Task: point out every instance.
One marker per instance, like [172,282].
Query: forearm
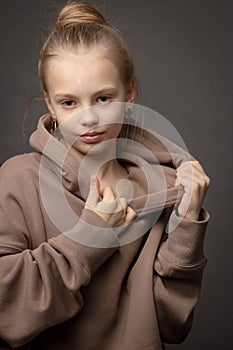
[41,287]
[179,268]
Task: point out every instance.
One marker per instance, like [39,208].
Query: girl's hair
[78,26]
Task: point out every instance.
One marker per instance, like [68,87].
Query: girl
[113,278]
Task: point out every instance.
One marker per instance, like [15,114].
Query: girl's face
[76,83]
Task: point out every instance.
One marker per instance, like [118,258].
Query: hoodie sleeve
[39,287]
[179,266]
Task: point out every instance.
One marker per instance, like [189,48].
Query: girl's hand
[192,177]
[114,211]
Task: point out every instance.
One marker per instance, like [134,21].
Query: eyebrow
[64,94]
[105,89]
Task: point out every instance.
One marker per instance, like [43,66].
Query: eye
[104,99]
[68,103]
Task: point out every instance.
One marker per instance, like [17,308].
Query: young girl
[86,262]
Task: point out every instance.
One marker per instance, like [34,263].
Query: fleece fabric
[62,287]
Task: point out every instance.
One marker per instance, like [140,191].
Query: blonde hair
[80,25]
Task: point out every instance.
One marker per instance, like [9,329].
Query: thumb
[93,196]
[108,195]
[130,215]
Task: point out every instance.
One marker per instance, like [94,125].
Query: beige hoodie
[58,292]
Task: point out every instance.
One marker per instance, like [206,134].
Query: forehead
[85,70]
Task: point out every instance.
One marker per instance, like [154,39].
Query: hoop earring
[128,113]
[127,116]
[135,124]
[53,125]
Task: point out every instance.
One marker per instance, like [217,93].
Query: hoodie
[67,280]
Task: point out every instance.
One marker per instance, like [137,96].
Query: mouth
[92,137]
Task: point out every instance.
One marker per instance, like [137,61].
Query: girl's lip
[92,137]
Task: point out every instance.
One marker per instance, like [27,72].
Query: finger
[93,196]
[186,167]
[198,165]
[177,182]
[195,175]
[191,171]
[122,202]
[192,166]
[196,179]
[130,215]
[186,182]
[108,195]
[97,183]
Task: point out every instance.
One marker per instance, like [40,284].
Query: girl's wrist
[190,215]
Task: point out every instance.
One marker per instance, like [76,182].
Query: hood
[150,159]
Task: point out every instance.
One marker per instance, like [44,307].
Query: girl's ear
[131,92]
[48,103]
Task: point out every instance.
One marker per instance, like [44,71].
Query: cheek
[69,127]
[112,113]
[63,116]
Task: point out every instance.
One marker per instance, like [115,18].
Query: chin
[92,148]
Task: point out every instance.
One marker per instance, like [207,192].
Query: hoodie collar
[150,160]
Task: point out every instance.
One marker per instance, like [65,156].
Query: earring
[128,113]
[126,129]
[53,124]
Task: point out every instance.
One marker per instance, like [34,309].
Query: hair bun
[78,13]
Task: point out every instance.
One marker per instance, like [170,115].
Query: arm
[180,260]
[41,284]
[178,268]
[40,288]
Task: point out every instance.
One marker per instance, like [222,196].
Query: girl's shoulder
[20,168]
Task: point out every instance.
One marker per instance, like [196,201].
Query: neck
[102,162]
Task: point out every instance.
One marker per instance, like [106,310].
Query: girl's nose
[89,117]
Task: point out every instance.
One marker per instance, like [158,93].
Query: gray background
[184,58]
